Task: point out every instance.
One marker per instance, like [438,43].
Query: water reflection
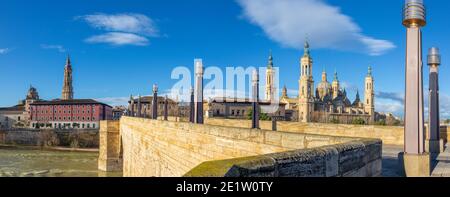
[31,162]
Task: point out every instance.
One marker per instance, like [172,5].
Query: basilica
[328,102]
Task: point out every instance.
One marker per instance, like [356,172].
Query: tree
[334,121]
[358,121]
[262,116]
[381,122]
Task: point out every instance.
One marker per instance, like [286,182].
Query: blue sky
[120,48]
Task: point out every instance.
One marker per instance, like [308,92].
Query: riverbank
[86,138]
[49,148]
[32,161]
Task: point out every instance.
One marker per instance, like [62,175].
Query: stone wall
[171,149]
[37,137]
[110,155]
[361,158]
[389,134]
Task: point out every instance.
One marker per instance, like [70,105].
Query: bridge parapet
[110,150]
[360,158]
[157,148]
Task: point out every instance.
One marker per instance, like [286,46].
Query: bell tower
[270,88]
[67,91]
[335,85]
[369,95]
[306,90]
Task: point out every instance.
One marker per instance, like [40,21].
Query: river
[32,162]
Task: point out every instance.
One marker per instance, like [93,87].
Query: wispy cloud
[114,101]
[122,29]
[288,22]
[390,102]
[131,23]
[393,96]
[118,39]
[4,51]
[444,103]
[348,86]
[394,102]
[387,106]
[59,48]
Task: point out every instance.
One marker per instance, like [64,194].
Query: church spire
[67,92]
[306,49]
[335,76]
[324,75]
[369,72]
[270,63]
[68,60]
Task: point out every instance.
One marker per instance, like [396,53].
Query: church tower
[67,92]
[335,85]
[284,93]
[270,88]
[306,90]
[369,103]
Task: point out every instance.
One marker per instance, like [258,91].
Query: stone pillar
[166,112]
[192,107]
[131,111]
[274,123]
[434,144]
[144,112]
[415,161]
[155,102]
[139,106]
[110,150]
[255,100]
[198,91]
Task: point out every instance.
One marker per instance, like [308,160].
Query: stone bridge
[222,147]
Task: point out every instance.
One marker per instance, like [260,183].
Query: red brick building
[69,114]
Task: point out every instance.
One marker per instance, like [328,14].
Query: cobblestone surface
[441,166]
[390,161]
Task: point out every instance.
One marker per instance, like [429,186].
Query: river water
[31,162]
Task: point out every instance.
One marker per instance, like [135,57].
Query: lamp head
[434,57]
[414,13]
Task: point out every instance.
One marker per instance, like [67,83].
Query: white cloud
[444,103]
[393,102]
[130,23]
[59,48]
[4,51]
[122,29]
[118,39]
[393,96]
[292,93]
[389,106]
[288,22]
[348,86]
[115,101]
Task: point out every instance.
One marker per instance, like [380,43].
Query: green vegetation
[380,122]
[262,116]
[334,121]
[358,121]
[396,123]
